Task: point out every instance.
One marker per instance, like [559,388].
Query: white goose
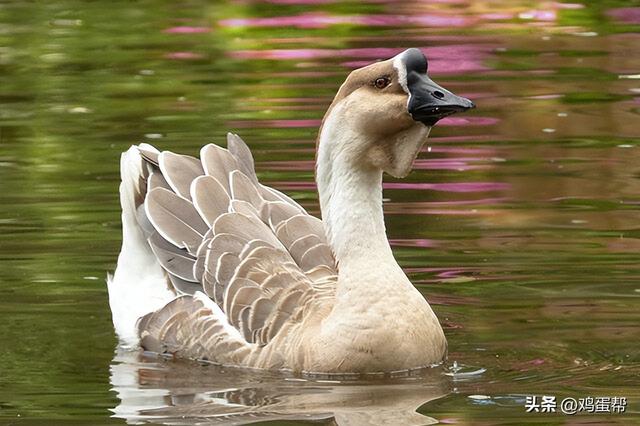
[216,266]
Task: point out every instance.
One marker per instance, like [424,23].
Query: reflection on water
[519,224]
[186,393]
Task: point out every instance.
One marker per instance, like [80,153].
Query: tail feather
[139,285]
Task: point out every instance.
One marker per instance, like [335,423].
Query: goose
[216,266]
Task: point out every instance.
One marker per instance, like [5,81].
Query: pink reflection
[367,52]
[468,121]
[569,5]
[299,165]
[497,16]
[424,205]
[293,186]
[186,30]
[271,124]
[453,273]
[539,15]
[443,272]
[630,15]
[304,2]
[545,97]
[527,365]
[444,187]
[244,124]
[447,164]
[322,20]
[450,59]
[450,186]
[461,150]
[452,51]
[183,55]
[467,138]
[296,100]
[441,212]
[420,242]
[291,2]
[436,66]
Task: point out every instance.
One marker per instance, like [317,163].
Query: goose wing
[215,229]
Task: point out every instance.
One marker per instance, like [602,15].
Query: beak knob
[428,101]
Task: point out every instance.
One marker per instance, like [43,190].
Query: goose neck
[351,202]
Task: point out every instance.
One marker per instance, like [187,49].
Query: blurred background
[520,223]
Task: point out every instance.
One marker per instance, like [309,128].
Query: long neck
[351,202]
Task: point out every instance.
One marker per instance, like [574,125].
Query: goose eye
[382,82]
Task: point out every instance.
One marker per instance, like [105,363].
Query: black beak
[428,101]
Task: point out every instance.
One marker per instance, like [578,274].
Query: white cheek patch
[401,69]
[398,64]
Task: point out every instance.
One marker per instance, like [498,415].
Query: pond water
[520,224]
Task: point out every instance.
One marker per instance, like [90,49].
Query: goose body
[214,265]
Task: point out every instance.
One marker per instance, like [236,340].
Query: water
[520,223]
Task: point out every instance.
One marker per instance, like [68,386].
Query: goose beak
[428,101]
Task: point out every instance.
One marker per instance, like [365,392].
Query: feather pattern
[172,330]
[220,235]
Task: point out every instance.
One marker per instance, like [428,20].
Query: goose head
[382,114]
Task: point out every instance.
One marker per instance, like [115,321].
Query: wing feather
[254,252]
[245,208]
[242,298]
[149,153]
[241,152]
[318,255]
[173,259]
[193,327]
[179,171]
[260,311]
[299,226]
[246,227]
[209,197]
[242,188]
[218,162]
[226,267]
[271,194]
[250,246]
[184,286]
[300,246]
[199,268]
[175,219]
[156,180]
[279,211]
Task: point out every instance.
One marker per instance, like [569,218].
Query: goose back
[214,228]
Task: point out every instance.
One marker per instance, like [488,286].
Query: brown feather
[179,171]
[210,198]
[242,188]
[241,152]
[244,208]
[173,259]
[245,227]
[218,162]
[320,254]
[175,219]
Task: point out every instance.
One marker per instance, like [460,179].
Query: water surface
[520,223]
